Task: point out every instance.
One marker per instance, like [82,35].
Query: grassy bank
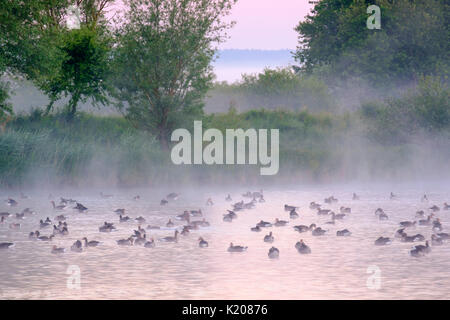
[319,147]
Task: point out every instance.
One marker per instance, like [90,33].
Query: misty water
[337,268]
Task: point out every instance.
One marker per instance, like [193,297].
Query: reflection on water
[338,268]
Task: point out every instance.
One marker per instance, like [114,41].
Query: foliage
[412,41]
[163,59]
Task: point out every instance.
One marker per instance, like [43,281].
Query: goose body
[202,243]
[6,245]
[274,253]
[91,243]
[269,238]
[280,223]
[233,248]
[302,248]
[264,224]
[382,241]
[170,239]
[343,233]
[56,250]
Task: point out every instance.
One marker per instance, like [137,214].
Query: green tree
[162,60]
[413,40]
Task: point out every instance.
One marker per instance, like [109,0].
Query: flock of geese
[60,227]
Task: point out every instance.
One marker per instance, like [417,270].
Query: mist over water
[336,268]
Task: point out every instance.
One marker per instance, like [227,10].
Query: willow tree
[163,60]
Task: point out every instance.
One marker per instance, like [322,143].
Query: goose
[318,231]
[14,226]
[64,231]
[48,220]
[202,243]
[378,211]
[209,202]
[169,224]
[248,194]
[330,199]
[443,236]
[437,226]
[4,214]
[383,216]
[289,208]
[400,233]
[172,196]
[228,198]
[408,224]
[343,233]
[107,227]
[80,207]
[435,240]
[58,207]
[424,198]
[293,214]
[11,202]
[355,196]
[140,241]
[392,196]
[323,212]
[20,216]
[256,229]
[345,210]
[420,214]
[196,213]
[446,206]
[416,237]
[163,202]
[314,206]
[227,218]
[184,216]
[124,219]
[238,205]
[43,224]
[434,208]
[233,248]
[303,228]
[249,205]
[91,243]
[150,243]
[381,241]
[140,219]
[274,253]
[6,245]
[420,250]
[426,222]
[302,248]
[77,246]
[120,211]
[46,238]
[170,239]
[269,238]
[185,231]
[33,235]
[264,224]
[280,223]
[56,250]
[125,242]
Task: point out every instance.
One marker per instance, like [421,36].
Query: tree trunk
[72,107]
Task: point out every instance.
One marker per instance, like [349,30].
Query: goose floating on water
[11,202]
[274,253]
[6,245]
[170,239]
[302,247]
[150,243]
[280,223]
[92,243]
[303,228]
[56,250]
[80,207]
[202,243]
[269,238]
[343,233]
[382,241]
[233,248]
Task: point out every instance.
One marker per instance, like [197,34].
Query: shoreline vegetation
[359,105]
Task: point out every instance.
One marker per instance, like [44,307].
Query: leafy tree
[162,60]
[412,41]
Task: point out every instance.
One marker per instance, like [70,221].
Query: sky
[266,24]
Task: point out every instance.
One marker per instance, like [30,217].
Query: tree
[84,62]
[412,41]
[162,60]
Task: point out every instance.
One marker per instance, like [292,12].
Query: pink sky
[262,24]
[266,24]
